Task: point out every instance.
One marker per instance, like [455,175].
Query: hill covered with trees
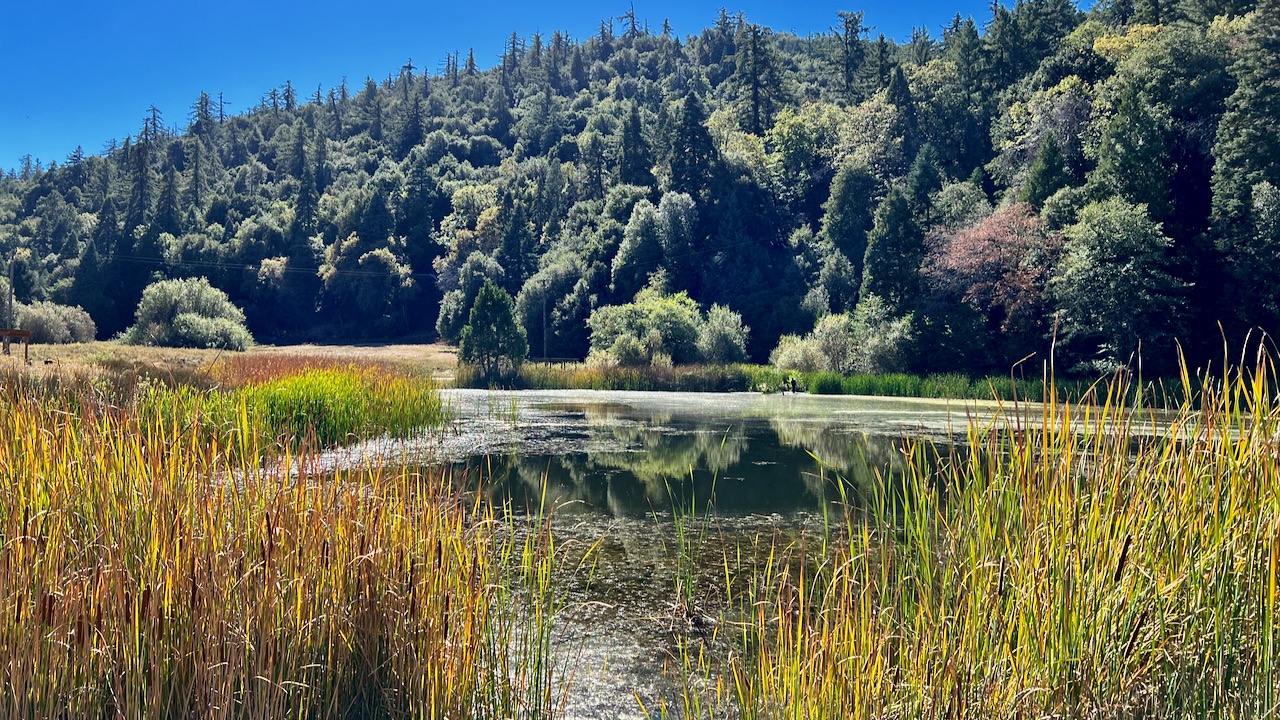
[1108,179]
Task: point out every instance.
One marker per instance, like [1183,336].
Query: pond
[673,491]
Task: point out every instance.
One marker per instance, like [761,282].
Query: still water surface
[675,493]
[656,482]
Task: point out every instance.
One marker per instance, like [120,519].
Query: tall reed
[149,568]
[1076,567]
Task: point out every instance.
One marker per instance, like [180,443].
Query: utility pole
[544,320]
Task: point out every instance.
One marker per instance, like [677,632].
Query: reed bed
[764,378]
[149,568]
[1073,568]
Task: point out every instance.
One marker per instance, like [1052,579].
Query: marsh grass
[762,378]
[152,568]
[1074,567]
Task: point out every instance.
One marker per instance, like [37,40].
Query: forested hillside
[1108,179]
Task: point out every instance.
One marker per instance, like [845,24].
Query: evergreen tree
[1133,161]
[635,166]
[411,129]
[1048,174]
[851,51]
[848,214]
[138,212]
[924,179]
[692,152]
[757,77]
[168,208]
[492,340]
[907,127]
[895,249]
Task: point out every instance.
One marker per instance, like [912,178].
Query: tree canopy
[1123,155]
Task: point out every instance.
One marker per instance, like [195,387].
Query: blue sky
[81,73]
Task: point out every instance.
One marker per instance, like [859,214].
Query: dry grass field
[435,361]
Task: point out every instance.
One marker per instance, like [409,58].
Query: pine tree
[411,129]
[847,214]
[168,208]
[757,77]
[1133,159]
[895,249]
[138,212]
[692,151]
[851,52]
[1048,174]
[924,179]
[635,166]
[907,127]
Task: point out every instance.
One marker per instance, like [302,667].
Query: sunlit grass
[1072,568]
[150,567]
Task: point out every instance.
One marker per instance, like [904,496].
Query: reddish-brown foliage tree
[999,267]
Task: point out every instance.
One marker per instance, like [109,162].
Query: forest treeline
[1096,181]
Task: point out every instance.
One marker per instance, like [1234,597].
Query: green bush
[56,324]
[188,313]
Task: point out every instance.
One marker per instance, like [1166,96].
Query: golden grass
[149,568]
[1073,568]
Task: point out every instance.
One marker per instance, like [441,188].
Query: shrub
[188,313]
[795,353]
[868,341]
[53,323]
[723,337]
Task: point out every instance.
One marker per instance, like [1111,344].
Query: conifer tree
[1133,160]
[692,151]
[635,166]
[895,249]
[851,51]
[1048,173]
[848,214]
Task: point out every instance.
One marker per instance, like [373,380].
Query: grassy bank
[764,378]
[1071,569]
[152,566]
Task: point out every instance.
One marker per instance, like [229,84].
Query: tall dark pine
[635,166]
[758,77]
[168,208]
[692,150]
[138,212]
[1048,173]
[895,249]
[847,214]
[851,51]
[908,126]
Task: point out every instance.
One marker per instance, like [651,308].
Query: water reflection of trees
[634,466]
[860,460]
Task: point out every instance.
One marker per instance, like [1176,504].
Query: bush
[188,313]
[723,337]
[795,353]
[868,341]
[56,324]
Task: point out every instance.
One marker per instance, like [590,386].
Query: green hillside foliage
[780,178]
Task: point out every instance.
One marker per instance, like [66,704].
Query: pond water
[650,478]
[662,485]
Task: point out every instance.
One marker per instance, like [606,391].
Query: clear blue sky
[81,72]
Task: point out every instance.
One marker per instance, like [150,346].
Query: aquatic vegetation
[152,568]
[1074,568]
